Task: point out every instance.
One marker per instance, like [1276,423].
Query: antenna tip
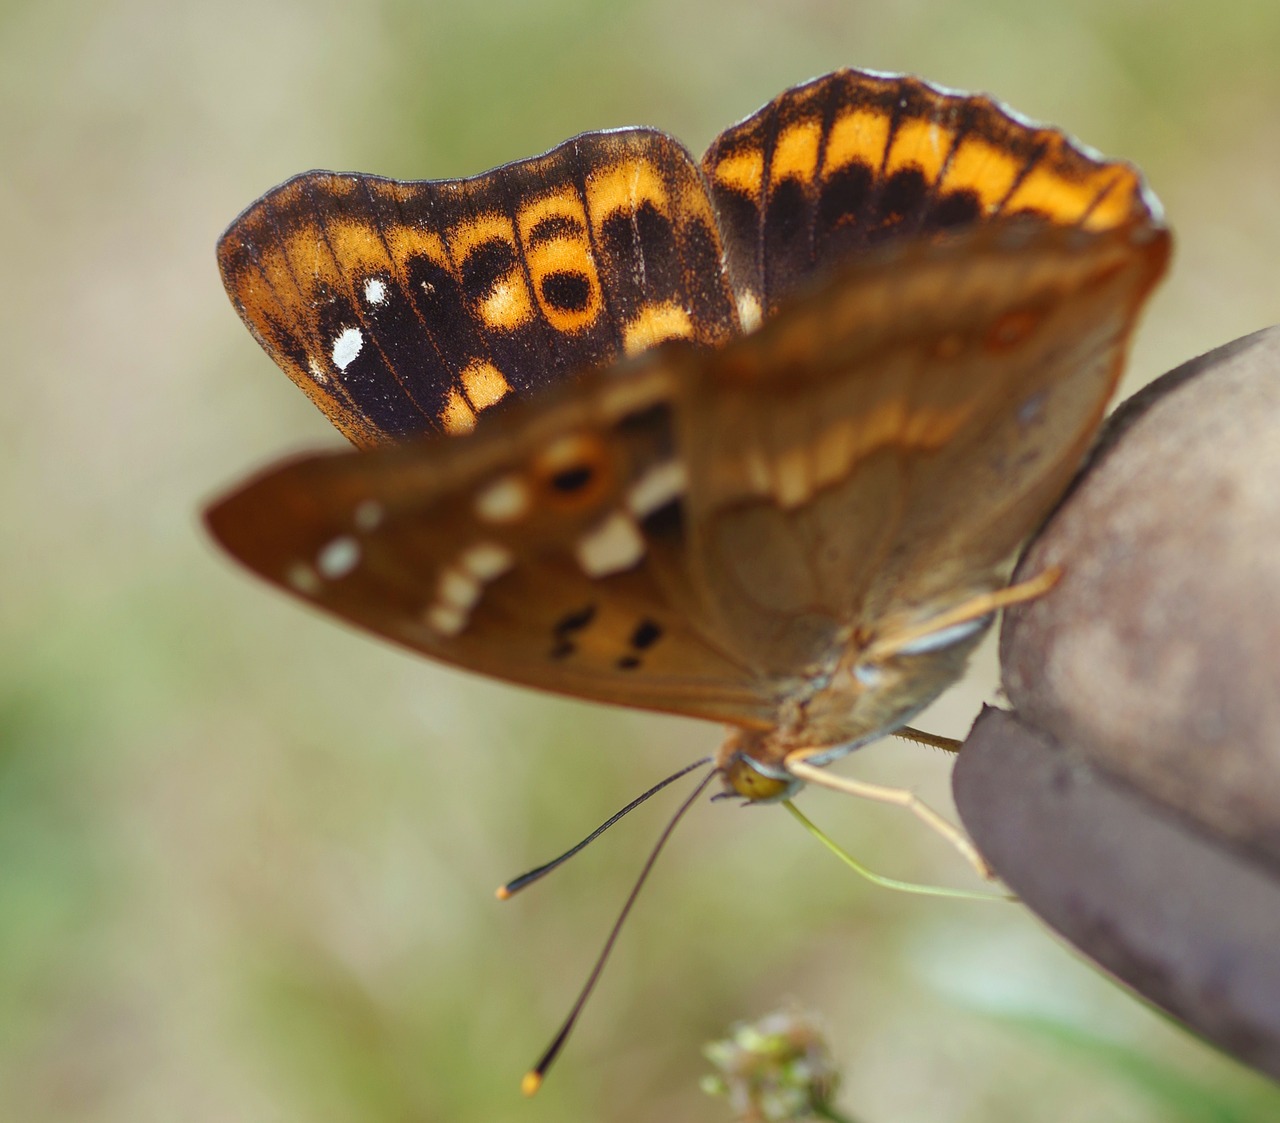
[531,1083]
[502,893]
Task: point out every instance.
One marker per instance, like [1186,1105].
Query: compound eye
[741,777]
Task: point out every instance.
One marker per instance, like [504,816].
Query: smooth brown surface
[1176,916]
[1132,798]
[1160,649]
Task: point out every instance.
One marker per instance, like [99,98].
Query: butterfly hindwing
[851,159]
[404,308]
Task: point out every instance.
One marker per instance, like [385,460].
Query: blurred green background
[247,855]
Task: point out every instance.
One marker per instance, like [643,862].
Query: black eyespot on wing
[572,479]
[647,633]
[647,240]
[654,231]
[902,199]
[485,265]
[615,236]
[554,226]
[956,208]
[566,627]
[568,291]
[843,197]
[574,621]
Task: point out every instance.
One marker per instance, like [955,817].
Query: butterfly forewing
[409,308]
[546,549]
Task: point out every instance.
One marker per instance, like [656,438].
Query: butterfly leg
[973,609]
[898,797]
[933,740]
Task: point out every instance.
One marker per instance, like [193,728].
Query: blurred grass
[247,856]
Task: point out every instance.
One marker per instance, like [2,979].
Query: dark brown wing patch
[851,159]
[408,308]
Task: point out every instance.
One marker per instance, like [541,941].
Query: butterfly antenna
[533,1078]
[525,879]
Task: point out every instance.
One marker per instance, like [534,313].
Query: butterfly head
[875,686]
[744,767]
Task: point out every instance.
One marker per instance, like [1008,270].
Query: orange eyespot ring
[1014,328]
[574,473]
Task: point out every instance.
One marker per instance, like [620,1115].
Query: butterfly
[751,440]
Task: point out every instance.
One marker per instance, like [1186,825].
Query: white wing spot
[486,561]
[461,586]
[446,620]
[457,590]
[749,312]
[346,347]
[368,515]
[338,558]
[503,501]
[313,368]
[302,577]
[614,545]
[375,291]
[656,488]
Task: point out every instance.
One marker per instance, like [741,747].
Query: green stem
[881,879]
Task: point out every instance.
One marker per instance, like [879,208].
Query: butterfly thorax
[863,697]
